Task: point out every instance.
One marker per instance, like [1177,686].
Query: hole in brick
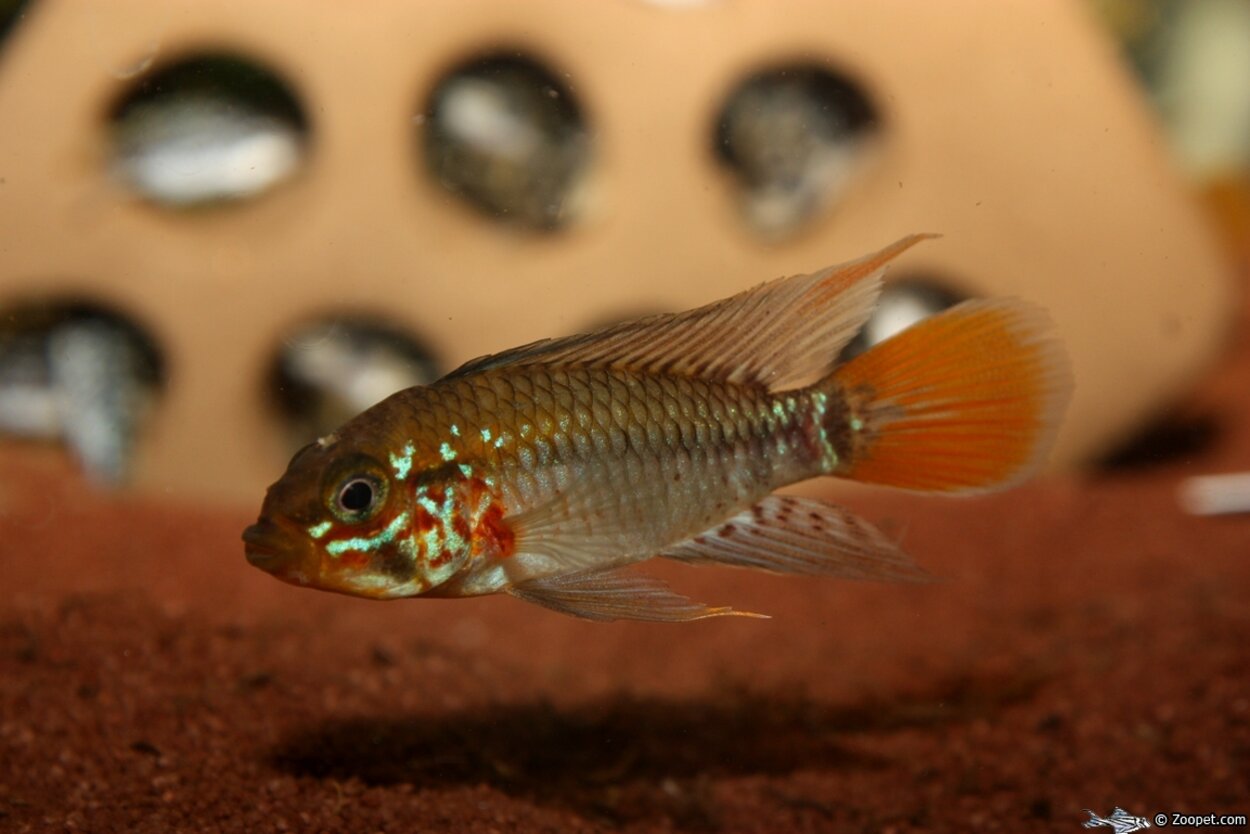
[80,374]
[329,370]
[1180,435]
[793,138]
[11,14]
[903,302]
[210,128]
[506,134]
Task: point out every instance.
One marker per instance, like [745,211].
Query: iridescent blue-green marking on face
[365,544]
[444,511]
[438,538]
[319,530]
[402,463]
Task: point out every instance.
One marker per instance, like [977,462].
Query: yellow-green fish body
[543,470]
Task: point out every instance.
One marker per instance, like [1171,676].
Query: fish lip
[267,545]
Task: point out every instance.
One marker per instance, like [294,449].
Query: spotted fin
[785,534]
[607,595]
[782,334]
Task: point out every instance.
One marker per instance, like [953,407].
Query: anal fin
[607,595]
[785,534]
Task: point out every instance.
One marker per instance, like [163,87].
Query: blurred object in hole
[1194,58]
[205,130]
[11,13]
[79,375]
[903,303]
[330,370]
[1215,494]
[1175,437]
[794,138]
[506,135]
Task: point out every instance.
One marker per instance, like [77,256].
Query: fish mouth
[267,546]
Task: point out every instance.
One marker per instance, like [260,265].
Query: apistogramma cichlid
[542,471]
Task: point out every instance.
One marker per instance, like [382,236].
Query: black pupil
[356,496]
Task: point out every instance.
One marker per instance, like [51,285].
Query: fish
[546,471]
[1119,821]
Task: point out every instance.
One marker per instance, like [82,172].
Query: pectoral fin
[785,534]
[607,595]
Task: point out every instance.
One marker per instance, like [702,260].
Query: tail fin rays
[967,401]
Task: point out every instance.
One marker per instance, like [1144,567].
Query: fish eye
[358,497]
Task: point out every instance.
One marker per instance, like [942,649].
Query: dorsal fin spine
[784,334]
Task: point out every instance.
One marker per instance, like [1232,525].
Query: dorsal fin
[781,334]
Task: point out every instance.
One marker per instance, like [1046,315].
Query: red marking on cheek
[460,526]
[477,491]
[443,557]
[422,521]
[347,561]
[493,535]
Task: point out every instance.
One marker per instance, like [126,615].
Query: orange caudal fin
[966,401]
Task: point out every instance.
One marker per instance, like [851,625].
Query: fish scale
[620,436]
[617,446]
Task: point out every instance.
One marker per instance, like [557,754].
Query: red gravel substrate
[1087,647]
